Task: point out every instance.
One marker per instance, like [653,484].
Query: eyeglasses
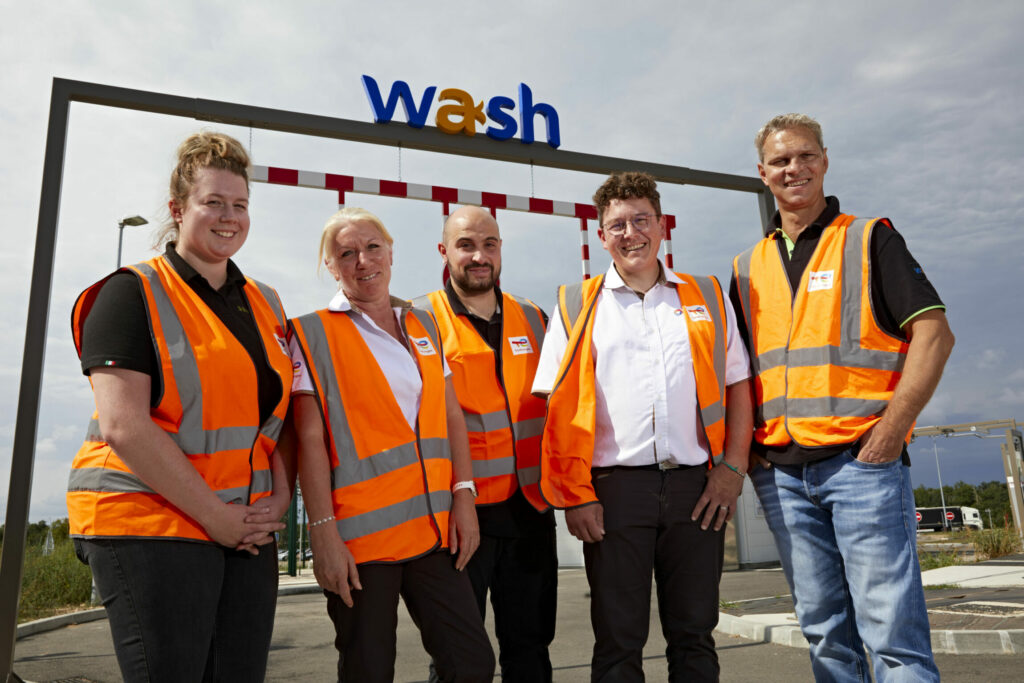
[641,222]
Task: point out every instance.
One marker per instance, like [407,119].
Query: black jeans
[440,602]
[648,531]
[522,576]
[181,611]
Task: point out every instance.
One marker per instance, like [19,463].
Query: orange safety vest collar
[567,448]
[208,407]
[391,484]
[824,369]
[504,420]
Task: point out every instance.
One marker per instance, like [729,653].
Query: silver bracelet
[325,520]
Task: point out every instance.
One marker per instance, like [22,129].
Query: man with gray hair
[847,340]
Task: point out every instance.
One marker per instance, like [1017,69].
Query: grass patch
[53,584]
[726,604]
[994,543]
[935,560]
[942,587]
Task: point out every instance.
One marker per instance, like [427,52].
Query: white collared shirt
[393,357]
[647,409]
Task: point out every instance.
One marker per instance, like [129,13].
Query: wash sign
[460,113]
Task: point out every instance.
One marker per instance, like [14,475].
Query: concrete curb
[780,630]
[51,623]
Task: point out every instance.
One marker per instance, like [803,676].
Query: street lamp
[132,221]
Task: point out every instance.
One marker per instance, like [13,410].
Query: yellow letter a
[467,112]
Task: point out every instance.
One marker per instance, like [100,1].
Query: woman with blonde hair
[384,465]
[179,486]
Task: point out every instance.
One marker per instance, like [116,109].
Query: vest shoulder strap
[570,301]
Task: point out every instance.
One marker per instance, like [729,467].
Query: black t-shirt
[116,332]
[899,291]
[514,517]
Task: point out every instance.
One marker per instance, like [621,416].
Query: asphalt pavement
[976,612]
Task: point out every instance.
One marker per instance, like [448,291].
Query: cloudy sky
[920,101]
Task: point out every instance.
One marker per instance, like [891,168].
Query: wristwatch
[468,484]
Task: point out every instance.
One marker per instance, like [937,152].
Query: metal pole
[120,238]
[942,496]
[27,421]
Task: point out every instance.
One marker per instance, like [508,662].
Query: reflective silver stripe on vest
[427,321]
[103,480]
[486,422]
[492,422]
[272,428]
[529,475]
[351,468]
[191,438]
[275,304]
[423,303]
[494,467]
[393,515]
[742,274]
[714,412]
[525,429]
[817,407]
[533,317]
[573,305]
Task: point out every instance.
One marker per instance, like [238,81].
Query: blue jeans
[846,534]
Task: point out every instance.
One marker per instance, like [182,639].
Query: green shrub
[994,543]
[52,583]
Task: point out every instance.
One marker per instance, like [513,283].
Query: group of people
[433,438]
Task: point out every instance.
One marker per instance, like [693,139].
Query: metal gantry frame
[1012,449]
[429,139]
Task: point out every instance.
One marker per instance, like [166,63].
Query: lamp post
[132,221]
[942,496]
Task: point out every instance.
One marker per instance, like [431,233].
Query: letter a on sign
[467,112]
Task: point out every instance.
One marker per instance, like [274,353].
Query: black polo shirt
[900,290]
[116,331]
[514,517]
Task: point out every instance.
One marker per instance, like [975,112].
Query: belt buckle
[667,465]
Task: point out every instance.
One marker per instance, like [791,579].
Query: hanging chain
[250,141]
[531,179]
[399,162]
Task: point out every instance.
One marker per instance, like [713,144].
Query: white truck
[955,518]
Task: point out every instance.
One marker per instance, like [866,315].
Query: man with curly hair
[646,441]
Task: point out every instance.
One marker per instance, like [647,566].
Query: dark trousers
[522,576]
[183,611]
[440,601]
[648,531]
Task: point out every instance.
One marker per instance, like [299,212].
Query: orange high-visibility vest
[824,369]
[503,418]
[390,484]
[567,448]
[208,407]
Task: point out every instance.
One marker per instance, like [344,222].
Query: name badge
[423,346]
[821,279]
[698,313]
[520,345]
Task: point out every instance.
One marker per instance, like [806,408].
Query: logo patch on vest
[520,345]
[821,279]
[698,313]
[423,346]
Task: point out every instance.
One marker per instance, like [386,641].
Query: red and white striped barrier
[446,196]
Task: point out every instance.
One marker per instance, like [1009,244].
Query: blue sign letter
[527,110]
[400,90]
[507,122]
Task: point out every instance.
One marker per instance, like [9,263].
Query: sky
[920,103]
